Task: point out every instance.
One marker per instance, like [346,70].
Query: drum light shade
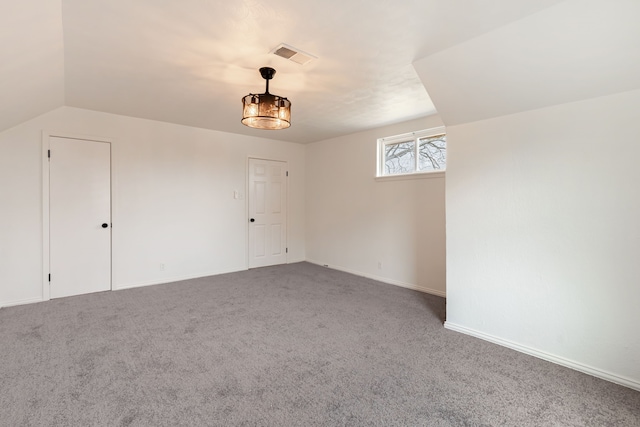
[266,111]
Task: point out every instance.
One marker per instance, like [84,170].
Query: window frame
[407,137]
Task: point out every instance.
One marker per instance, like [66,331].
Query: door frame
[246,208]
[46,143]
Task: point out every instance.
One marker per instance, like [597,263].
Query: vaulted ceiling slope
[31,60]
[575,50]
[190,62]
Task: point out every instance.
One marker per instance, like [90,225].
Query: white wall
[543,234]
[172,199]
[354,222]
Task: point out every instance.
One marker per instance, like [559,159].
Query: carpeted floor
[292,345]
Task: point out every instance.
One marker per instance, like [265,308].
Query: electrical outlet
[379,265]
[162,267]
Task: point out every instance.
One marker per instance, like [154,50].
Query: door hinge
[287,173]
[49,153]
[49,276]
[286,250]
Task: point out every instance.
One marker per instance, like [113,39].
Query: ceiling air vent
[293,54]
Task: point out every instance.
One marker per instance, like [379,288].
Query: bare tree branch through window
[432,153]
[400,158]
[418,154]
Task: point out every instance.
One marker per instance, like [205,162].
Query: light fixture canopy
[264,110]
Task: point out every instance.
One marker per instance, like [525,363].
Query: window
[417,152]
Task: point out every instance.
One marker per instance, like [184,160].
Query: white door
[267,212]
[79,216]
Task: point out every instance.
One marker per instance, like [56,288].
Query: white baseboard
[383,279]
[170,280]
[142,284]
[598,373]
[20,302]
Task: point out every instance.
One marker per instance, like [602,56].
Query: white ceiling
[575,50]
[191,61]
[31,60]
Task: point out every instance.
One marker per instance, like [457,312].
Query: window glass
[417,152]
[433,153]
[399,158]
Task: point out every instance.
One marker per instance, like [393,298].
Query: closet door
[79,216]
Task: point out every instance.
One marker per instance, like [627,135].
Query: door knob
[105,225]
[252,220]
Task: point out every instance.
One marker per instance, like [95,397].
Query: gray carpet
[294,345]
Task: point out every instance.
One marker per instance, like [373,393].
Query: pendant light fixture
[264,110]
